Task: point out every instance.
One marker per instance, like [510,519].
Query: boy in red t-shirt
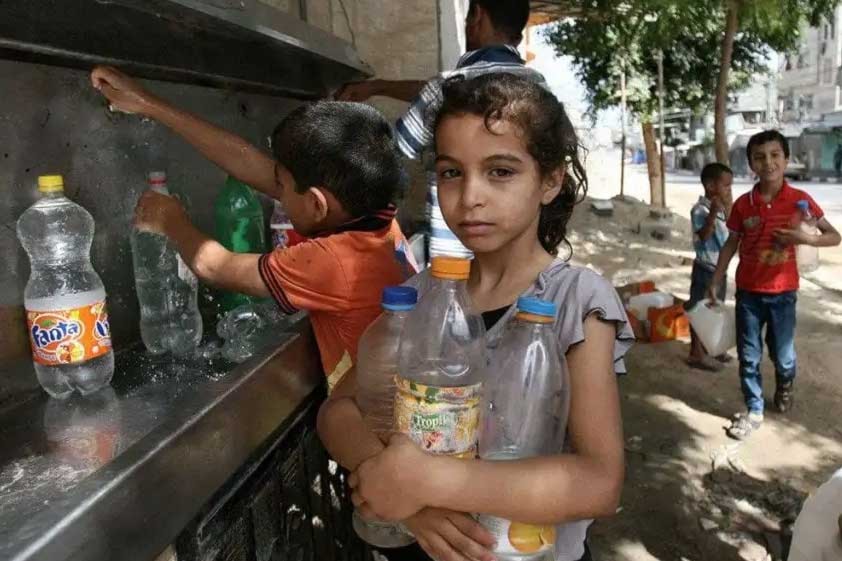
[762,227]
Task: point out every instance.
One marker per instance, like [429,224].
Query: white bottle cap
[158,181]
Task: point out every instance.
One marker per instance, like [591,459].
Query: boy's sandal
[724,358]
[702,364]
[742,427]
[784,397]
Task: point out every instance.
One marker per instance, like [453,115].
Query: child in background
[337,188]
[762,229]
[509,177]
[710,233]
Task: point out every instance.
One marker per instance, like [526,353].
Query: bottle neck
[52,194]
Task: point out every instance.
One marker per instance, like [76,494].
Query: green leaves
[690,34]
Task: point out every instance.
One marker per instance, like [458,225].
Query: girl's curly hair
[548,133]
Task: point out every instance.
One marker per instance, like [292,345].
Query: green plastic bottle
[238,218]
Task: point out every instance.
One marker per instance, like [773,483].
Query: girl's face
[490,188]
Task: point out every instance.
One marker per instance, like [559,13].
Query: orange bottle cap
[452,268]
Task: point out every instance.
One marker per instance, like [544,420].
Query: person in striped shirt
[493,30]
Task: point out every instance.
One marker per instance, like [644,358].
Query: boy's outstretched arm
[725,255]
[545,490]
[227,150]
[208,259]
[403,90]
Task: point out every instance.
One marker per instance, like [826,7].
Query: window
[827,72]
[805,103]
[788,64]
[789,103]
[802,60]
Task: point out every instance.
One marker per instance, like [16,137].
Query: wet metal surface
[118,474]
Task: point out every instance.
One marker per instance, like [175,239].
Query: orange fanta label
[69,336]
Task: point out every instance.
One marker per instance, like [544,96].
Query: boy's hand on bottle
[450,536]
[123,93]
[390,485]
[787,236]
[154,212]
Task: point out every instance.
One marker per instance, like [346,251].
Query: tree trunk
[721,103]
[653,165]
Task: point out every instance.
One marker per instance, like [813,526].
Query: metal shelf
[239,44]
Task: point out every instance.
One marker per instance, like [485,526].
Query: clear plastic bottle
[807,256]
[442,364]
[377,365]
[524,412]
[64,298]
[167,290]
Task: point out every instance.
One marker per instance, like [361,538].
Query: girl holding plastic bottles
[509,176]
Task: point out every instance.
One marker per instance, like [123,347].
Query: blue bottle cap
[399,298]
[803,204]
[532,305]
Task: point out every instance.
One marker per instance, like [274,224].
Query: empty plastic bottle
[64,297]
[239,227]
[377,365]
[441,366]
[807,256]
[524,408]
[166,290]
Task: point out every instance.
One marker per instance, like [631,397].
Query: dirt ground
[692,493]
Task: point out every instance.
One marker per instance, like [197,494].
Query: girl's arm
[583,484]
[341,426]
[443,534]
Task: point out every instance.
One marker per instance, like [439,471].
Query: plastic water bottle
[166,290]
[807,256]
[64,298]
[524,406]
[248,328]
[239,226]
[377,364]
[441,366]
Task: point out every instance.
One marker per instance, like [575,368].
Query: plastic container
[524,411]
[807,256]
[639,305]
[715,326]
[64,297]
[442,364]
[167,290]
[239,226]
[376,368]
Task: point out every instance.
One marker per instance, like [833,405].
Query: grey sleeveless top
[578,292]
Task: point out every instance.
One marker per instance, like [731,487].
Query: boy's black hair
[548,133]
[714,171]
[347,148]
[507,16]
[763,138]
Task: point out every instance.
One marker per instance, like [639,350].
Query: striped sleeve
[415,128]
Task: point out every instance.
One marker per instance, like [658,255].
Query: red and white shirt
[765,265]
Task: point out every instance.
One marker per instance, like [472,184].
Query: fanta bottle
[64,298]
[441,365]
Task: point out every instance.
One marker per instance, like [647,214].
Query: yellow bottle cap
[451,268]
[50,183]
